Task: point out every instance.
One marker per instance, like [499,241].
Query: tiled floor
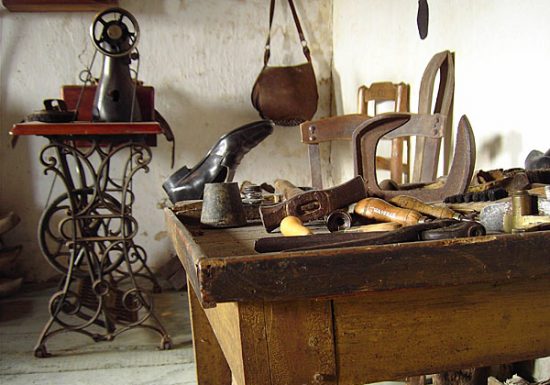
[132,358]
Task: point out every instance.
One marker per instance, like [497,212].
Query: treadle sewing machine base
[357,315]
[87,233]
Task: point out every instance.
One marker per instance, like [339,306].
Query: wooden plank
[301,342]
[228,248]
[224,320]
[189,253]
[212,367]
[58,5]
[452,328]
[256,360]
[332,128]
[345,271]
[240,329]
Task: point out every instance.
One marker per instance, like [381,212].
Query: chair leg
[396,160]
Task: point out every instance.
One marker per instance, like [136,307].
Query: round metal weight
[222,205]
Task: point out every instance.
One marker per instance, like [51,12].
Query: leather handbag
[286,94]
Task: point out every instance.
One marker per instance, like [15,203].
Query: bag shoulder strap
[305,48]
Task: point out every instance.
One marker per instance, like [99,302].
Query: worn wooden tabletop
[223,266]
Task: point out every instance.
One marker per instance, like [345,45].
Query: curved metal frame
[87,235]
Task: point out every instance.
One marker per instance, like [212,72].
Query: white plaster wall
[502,50]
[202,57]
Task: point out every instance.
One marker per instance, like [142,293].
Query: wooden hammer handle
[286,189]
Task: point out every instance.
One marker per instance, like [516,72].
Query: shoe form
[219,164]
[536,159]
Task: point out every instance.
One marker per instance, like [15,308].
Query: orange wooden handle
[380,210]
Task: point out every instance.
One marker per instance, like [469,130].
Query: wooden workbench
[365,314]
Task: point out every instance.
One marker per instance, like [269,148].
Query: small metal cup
[222,205]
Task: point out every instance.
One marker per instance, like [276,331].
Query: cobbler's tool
[511,180]
[314,204]
[55,111]
[522,216]
[417,232]
[115,34]
[380,210]
[491,194]
[279,243]
[222,205]
[492,216]
[412,203]
[420,231]
[537,160]
[345,219]
[339,220]
[368,134]
[252,194]
[457,230]
[286,188]
[374,227]
[292,226]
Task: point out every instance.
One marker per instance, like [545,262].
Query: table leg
[212,367]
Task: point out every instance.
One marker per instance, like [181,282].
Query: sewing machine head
[115,33]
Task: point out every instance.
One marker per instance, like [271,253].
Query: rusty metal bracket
[366,138]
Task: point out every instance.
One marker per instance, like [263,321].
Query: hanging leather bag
[286,94]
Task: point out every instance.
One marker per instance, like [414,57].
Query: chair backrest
[383,92]
[398,93]
[427,150]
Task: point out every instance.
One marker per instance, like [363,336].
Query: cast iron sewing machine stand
[87,233]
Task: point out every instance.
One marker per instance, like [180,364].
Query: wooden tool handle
[375,227]
[293,226]
[412,203]
[380,210]
[286,189]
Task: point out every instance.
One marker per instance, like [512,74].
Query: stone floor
[132,358]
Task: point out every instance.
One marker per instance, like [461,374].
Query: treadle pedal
[113,301]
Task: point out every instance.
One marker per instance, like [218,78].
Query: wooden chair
[342,127]
[379,93]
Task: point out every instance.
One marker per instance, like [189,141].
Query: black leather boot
[220,162]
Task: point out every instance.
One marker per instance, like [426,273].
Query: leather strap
[305,48]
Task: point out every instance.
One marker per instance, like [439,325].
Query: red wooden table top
[86,128]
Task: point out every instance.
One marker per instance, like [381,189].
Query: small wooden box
[71,93]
